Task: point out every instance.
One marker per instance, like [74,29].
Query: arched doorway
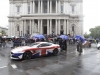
[45,26]
[73,29]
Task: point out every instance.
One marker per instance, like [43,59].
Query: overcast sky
[91,12]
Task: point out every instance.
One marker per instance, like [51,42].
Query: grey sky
[4,12]
[91,10]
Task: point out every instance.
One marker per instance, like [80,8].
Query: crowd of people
[27,41]
[49,38]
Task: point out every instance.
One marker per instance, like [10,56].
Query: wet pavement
[70,63]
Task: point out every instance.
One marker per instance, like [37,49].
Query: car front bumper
[16,55]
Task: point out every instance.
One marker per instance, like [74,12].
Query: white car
[35,50]
[98,45]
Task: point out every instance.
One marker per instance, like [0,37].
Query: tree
[95,32]
[86,35]
[3,32]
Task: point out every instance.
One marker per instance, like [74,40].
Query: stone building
[46,17]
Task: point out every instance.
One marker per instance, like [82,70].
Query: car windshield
[34,44]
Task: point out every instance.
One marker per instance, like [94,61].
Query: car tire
[55,52]
[27,55]
[98,47]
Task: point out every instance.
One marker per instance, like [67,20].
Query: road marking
[3,67]
[14,66]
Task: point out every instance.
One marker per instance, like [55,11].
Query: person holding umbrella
[79,42]
[64,42]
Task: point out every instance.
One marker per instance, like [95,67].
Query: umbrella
[79,37]
[39,36]
[64,37]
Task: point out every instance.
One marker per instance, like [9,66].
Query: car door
[43,48]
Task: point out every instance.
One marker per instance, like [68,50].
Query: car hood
[20,49]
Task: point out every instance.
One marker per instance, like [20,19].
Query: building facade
[46,17]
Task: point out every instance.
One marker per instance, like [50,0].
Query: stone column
[30,26]
[59,26]
[67,26]
[10,28]
[48,27]
[21,28]
[41,5]
[24,27]
[41,27]
[26,8]
[59,6]
[56,6]
[38,6]
[56,27]
[38,25]
[31,10]
[33,6]
[48,6]
[64,27]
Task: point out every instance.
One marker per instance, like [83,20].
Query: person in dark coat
[65,45]
[60,43]
[79,45]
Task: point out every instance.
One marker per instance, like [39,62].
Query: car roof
[43,42]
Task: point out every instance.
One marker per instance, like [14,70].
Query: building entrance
[44,29]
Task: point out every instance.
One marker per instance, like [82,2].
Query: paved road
[70,63]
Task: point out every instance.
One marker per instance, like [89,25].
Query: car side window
[44,45]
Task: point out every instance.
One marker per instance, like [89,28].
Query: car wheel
[27,55]
[98,47]
[55,52]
